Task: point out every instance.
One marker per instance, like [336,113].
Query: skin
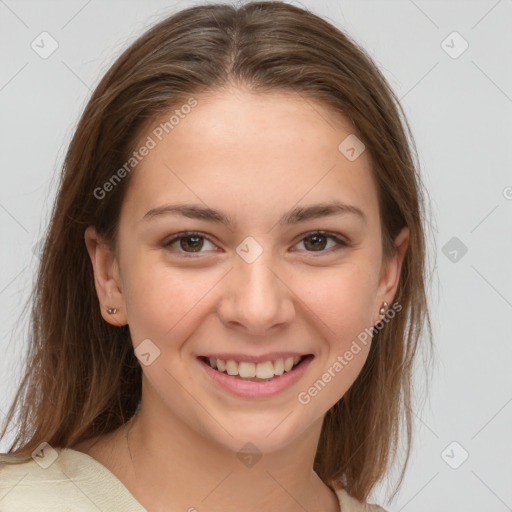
[254,157]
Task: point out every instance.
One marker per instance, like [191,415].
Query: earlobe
[106,278]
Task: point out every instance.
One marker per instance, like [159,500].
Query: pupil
[316,237]
[194,245]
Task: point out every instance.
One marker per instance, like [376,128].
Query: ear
[106,278]
[390,271]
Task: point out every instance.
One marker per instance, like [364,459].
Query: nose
[256,297]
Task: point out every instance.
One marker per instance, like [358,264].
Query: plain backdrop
[449,62]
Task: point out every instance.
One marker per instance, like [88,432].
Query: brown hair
[82,377]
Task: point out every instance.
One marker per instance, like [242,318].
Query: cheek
[343,303]
[162,302]
[343,306]
[342,300]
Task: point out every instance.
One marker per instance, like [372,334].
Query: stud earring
[384,308]
[111,311]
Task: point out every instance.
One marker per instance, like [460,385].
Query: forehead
[256,152]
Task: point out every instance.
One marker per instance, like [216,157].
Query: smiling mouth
[256,372]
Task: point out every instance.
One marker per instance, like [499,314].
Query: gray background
[460,111]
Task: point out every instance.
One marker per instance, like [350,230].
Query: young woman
[232,290]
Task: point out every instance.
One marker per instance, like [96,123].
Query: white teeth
[264,370]
[279,367]
[232,367]
[247,370]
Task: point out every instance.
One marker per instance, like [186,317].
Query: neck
[170,464]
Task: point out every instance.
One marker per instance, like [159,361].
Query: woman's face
[255,176]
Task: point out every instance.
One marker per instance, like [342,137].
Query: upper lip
[252,358]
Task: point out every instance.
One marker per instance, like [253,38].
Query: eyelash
[189,234]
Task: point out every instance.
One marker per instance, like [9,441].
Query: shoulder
[60,479]
[29,483]
[350,504]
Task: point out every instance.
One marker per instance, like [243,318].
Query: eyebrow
[294,216]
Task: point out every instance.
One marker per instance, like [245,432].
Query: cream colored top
[75,482]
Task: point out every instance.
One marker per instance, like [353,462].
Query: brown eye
[189,243]
[318,242]
[194,243]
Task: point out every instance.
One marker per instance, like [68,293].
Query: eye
[189,243]
[192,243]
[317,241]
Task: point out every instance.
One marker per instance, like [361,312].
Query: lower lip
[254,389]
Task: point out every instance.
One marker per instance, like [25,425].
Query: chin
[263,432]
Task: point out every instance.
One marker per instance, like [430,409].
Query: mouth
[253,371]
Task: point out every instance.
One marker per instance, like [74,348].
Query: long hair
[82,377]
